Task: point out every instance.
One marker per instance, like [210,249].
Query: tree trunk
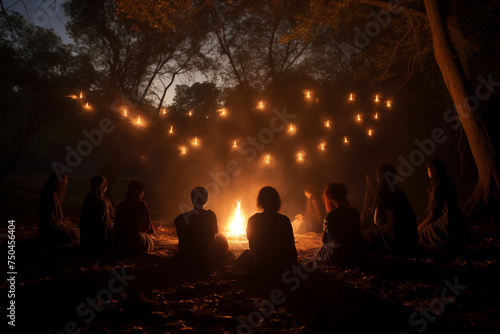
[473,125]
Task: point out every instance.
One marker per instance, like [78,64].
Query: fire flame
[237,221]
[190,113]
[308,95]
[81,95]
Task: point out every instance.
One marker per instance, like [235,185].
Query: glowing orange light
[164,111]
[171,131]
[236,225]
[125,112]
[351,97]
[308,95]
[327,124]
[388,103]
[261,105]
[322,146]
[190,113]
[300,157]
[195,141]
[376,98]
[139,120]
[358,118]
[72,96]
[268,159]
[235,145]
[291,127]
[370,132]
[81,95]
[346,140]
[183,150]
[223,112]
[376,115]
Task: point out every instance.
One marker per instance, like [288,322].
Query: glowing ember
[376,115]
[388,103]
[351,97]
[358,118]
[376,98]
[346,140]
[87,106]
[236,222]
[171,131]
[370,132]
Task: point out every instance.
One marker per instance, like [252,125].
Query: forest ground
[385,294]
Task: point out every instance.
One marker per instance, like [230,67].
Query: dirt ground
[59,290]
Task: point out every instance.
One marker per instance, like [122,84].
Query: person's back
[399,232]
[196,230]
[270,237]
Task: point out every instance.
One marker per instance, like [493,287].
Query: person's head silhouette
[135,190]
[199,197]
[269,199]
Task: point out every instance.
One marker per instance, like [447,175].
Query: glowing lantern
[81,95]
[236,225]
[358,118]
[388,103]
[370,132]
[376,98]
[351,97]
[171,131]
[346,140]
[87,106]
[376,115]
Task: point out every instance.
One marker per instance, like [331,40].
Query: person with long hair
[96,219]
[396,230]
[133,229]
[369,203]
[53,227]
[200,242]
[444,224]
[342,241]
[312,218]
[270,236]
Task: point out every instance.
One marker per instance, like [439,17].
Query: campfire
[237,222]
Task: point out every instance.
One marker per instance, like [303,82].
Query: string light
[376,98]
[183,150]
[358,118]
[370,132]
[171,131]
[235,145]
[308,95]
[346,140]
[261,104]
[268,159]
[327,124]
[300,157]
[351,97]
[322,146]
[376,115]
[388,103]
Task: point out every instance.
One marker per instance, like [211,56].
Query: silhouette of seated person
[342,241]
[396,229]
[369,203]
[444,224]
[132,230]
[197,231]
[312,218]
[96,219]
[270,236]
[53,227]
